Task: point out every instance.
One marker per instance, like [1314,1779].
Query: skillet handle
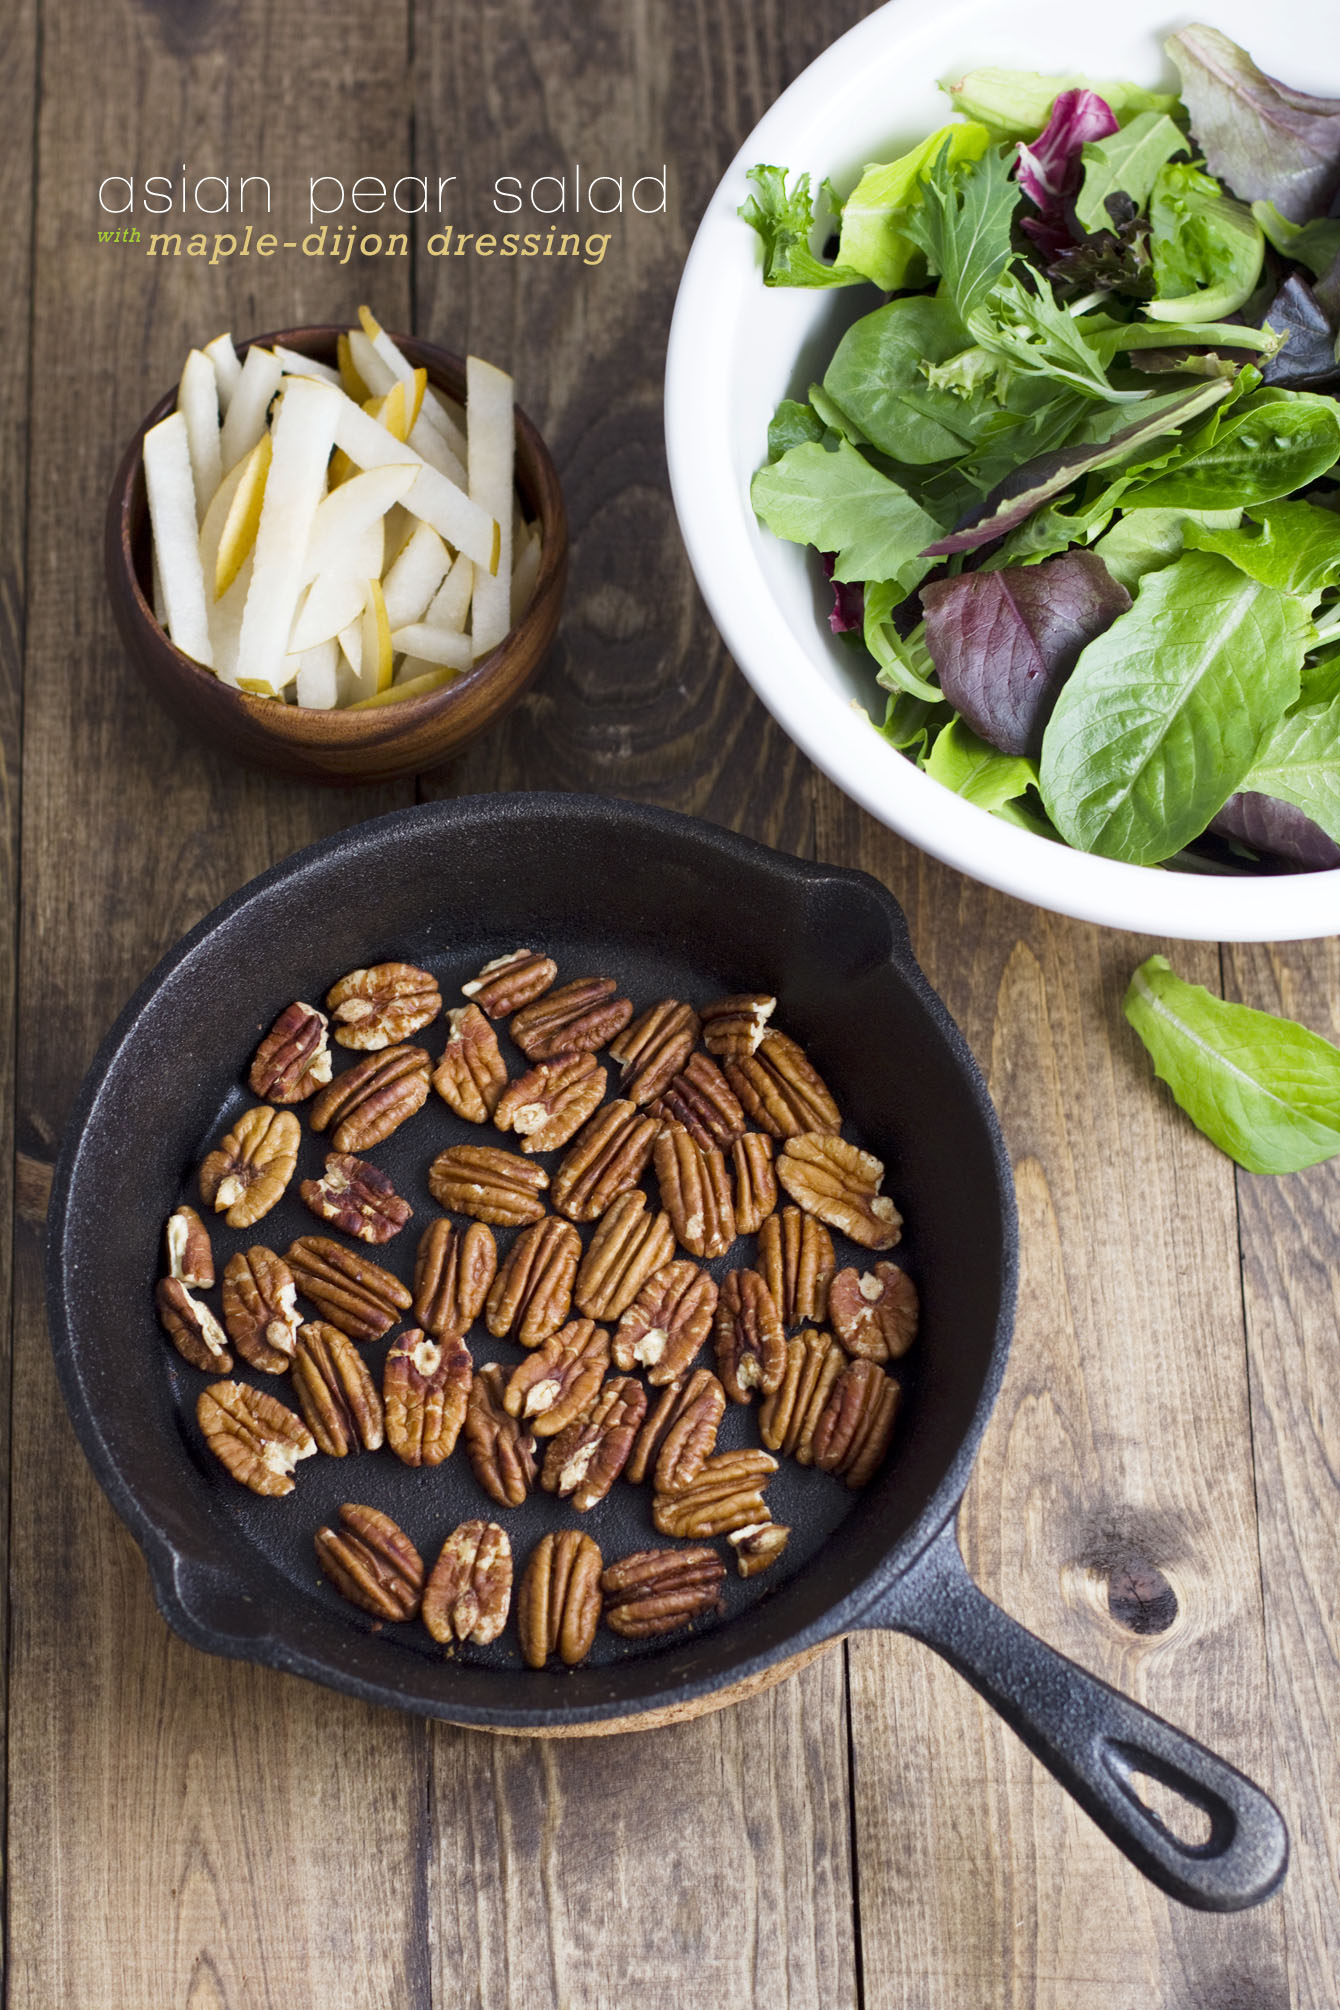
[1095,1740]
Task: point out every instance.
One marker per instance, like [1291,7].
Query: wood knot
[1115,1573]
[1140,1597]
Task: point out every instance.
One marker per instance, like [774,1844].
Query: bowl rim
[723,542]
[299,726]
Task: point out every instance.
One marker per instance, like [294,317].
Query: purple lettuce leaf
[1050,170]
[1106,261]
[1308,359]
[1004,642]
[1280,830]
[1268,142]
[848,598]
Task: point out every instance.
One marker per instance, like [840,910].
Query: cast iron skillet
[671,906]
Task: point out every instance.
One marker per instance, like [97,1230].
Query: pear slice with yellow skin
[216,516]
[353,384]
[416,400]
[378,656]
[414,687]
[244,515]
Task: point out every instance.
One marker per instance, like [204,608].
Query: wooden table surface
[189,1832]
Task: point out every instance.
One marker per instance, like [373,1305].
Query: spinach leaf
[1292,544]
[1265,1090]
[1261,451]
[1016,104]
[840,503]
[1163,714]
[878,379]
[790,426]
[1126,164]
[784,219]
[873,239]
[1265,139]
[1142,540]
[1299,762]
[977,772]
[1208,250]
[963,225]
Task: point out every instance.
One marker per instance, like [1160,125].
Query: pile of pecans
[730,1115]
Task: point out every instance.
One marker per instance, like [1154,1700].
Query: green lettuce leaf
[1126,164]
[978,772]
[1290,544]
[1264,1089]
[791,425]
[873,240]
[1299,763]
[1163,714]
[1016,104]
[1143,540]
[1208,250]
[784,220]
[963,225]
[1315,245]
[1271,444]
[839,502]
[878,377]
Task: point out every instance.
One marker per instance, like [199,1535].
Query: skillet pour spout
[668,907]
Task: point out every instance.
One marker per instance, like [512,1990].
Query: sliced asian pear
[249,406]
[415,687]
[317,683]
[376,375]
[433,498]
[411,582]
[345,515]
[295,364]
[351,383]
[434,645]
[378,653]
[198,403]
[432,447]
[491,436]
[303,435]
[451,603]
[227,367]
[171,489]
[331,602]
[237,534]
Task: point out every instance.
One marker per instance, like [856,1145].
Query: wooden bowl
[388,741]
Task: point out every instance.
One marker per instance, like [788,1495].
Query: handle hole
[1199,1822]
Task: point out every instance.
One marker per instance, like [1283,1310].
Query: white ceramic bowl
[737,347]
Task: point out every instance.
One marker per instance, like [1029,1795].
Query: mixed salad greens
[1075,480]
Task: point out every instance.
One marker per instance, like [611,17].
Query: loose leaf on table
[1004,642]
[963,225]
[1299,762]
[1266,140]
[1015,104]
[979,773]
[872,238]
[1038,481]
[1277,830]
[784,220]
[1161,718]
[842,504]
[1126,164]
[1050,168]
[1291,544]
[1264,1089]
[878,377]
[1207,249]
[1272,444]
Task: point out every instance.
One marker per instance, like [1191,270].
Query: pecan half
[782,1090]
[787,1419]
[348,1289]
[607,1157]
[725,1493]
[733,1027]
[373,1098]
[558,1382]
[680,1432]
[469,1593]
[653,1049]
[695,1192]
[189,1253]
[452,1273]
[293,1060]
[382,1005]
[558,1604]
[490,1184]
[551,1101]
[509,982]
[425,1386]
[703,1101]
[472,1073]
[256,1437]
[874,1312]
[853,1429]
[335,1392]
[627,1247]
[666,1323]
[755,1181]
[758,1547]
[248,1173]
[372,1563]
[659,1590]
[586,1458]
[840,1184]
[750,1342]
[358,1197]
[191,1327]
[501,1450]
[532,1293]
[583,1014]
[260,1308]
[795,1255]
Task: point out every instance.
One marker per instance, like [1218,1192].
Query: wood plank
[607,1871]
[1290,1229]
[1121,1444]
[182,1831]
